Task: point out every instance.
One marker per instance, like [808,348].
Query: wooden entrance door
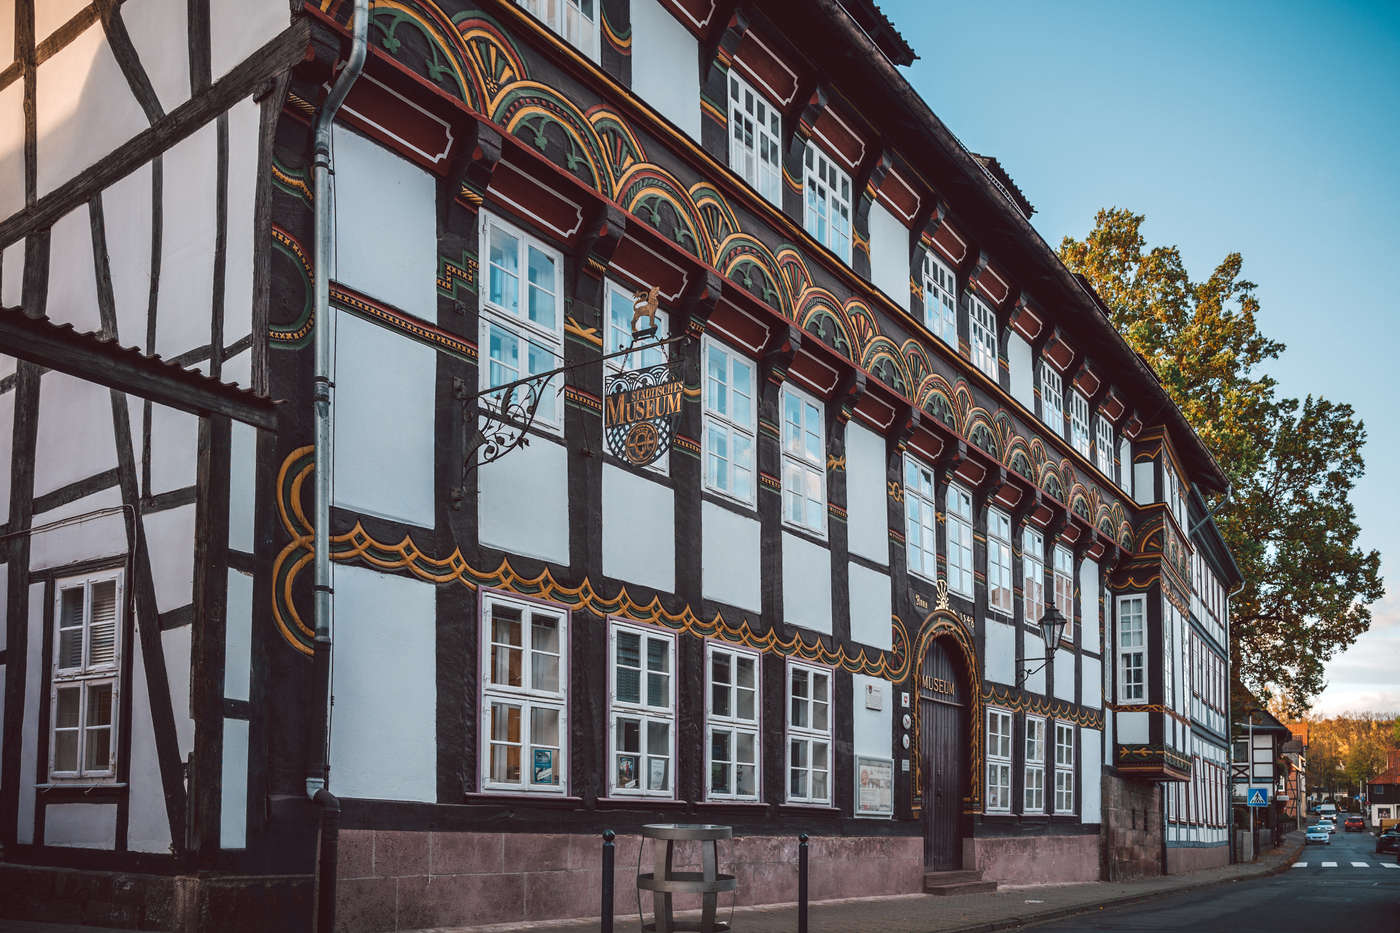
[943,750]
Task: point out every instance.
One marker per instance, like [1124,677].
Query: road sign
[1258,797]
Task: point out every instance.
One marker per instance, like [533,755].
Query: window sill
[616,803]
[815,808]
[731,804]
[511,797]
[81,785]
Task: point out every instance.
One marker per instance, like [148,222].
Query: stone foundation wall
[1035,859]
[1181,859]
[1132,820]
[392,880]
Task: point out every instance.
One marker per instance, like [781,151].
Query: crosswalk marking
[1300,864]
[1329,864]
[1359,865]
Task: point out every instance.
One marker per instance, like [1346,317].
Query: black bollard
[608,851]
[802,883]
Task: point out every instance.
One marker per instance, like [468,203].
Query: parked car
[1320,834]
[1354,824]
[1389,841]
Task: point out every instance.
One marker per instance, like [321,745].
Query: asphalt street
[1344,886]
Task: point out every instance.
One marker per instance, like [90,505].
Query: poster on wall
[627,771]
[544,766]
[874,786]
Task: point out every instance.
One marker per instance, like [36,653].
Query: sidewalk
[1008,908]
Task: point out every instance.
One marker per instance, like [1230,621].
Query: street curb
[1060,913]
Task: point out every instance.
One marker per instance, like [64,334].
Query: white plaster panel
[243,126]
[523,505]
[386,225]
[103,536]
[871,729]
[729,557]
[999,660]
[81,825]
[1091,775]
[1064,675]
[11,146]
[239,369]
[870,607]
[238,636]
[384,412]
[75,438]
[12,260]
[148,825]
[50,14]
[233,809]
[238,28]
[174,449]
[384,738]
[7,33]
[242,486]
[1132,728]
[889,255]
[868,520]
[1018,360]
[1032,646]
[85,108]
[159,31]
[7,428]
[8,365]
[170,543]
[135,413]
[1143,481]
[29,723]
[4,608]
[175,645]
[1091,681]
[126,221]
[806,584]
[660,44]
[639,529]
[1089,605]
[185,289]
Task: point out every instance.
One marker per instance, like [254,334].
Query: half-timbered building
[691,430]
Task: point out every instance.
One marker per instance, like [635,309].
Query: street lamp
[1052,629]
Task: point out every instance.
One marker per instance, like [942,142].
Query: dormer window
[984,336]
[827,214]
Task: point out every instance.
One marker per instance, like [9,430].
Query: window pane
[505,270]
[627,681]
[505,743]
[506,651]
[66,715]
[542,297]
[544,666]
[98,749]
[629,735]
[744,703]
[65,750]
[70,629]
[99,704]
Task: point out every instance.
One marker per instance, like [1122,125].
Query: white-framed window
[1169,615]
[87,650]
[827,214]
[575,21]
[940,299]
[998,761]
[1079,422]
[808,733]
[524,696]
[732,723]
[999,578]
[1033,798]
[1064,767]
[1064,587]
[982,326]
[729,422]
[1103,445]
[642,694]
[1033,574]
[1132,649]
[521,327]
[804,461]
[959,528]
[1052,398]
[920,518]
[755,134]
[1125,466]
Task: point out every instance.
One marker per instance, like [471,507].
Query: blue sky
[1267,128]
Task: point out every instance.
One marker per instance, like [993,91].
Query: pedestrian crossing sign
[1258,796]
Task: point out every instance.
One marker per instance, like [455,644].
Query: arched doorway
[943,751]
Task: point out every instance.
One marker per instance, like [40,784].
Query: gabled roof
[880,30]
[994,168]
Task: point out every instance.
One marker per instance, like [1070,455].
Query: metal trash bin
[665,882]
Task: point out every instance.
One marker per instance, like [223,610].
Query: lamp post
[1052,629]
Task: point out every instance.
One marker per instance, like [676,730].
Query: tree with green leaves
[1292,463]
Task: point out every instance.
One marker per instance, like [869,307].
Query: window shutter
[102,631]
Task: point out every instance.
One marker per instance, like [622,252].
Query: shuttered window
[86,679]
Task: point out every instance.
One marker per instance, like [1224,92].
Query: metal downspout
[323,383]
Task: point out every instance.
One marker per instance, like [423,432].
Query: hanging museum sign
[641,410]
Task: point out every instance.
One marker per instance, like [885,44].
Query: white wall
[384,414]
[148,826]
[242,486]
[1125,455]
[1018,360]
[126,218]
[185,290]
[11,145]
[806,584]
[1091,681]
[639,529]
[889,255]
[523,505]
[29,728]
[1132,728]
[999,661]
[238,636]
[1033,646]
[81,825]
[665,70]
[75,438]
[233,806]
[1089,605]
[867,519]
[99,537]
[72,296]
[384,736]
[729,557]
[174,449]
[176,646]
[1143,482]
[1064,675]
[1091,775]
[170,544]
[237,28]
[159,31]
[7,428]
[870,600]
[871,729]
